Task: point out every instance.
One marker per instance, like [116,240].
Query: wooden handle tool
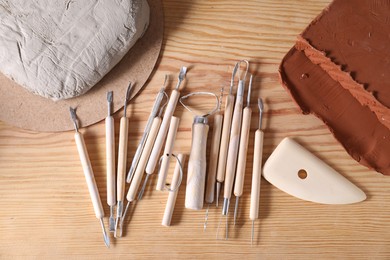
[153,114]
[171,201]
[231,162]
[162,175]
[227,122]
[110,162]
[131,194]
[89,176]
[196,175]
[243,149]
[155,155]
[122,160]
[256,174]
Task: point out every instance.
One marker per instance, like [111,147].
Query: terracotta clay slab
[25,110]
[338,70]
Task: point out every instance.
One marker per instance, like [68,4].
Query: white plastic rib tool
[169,143]
[242,151]
[89,176]
[227,122]
[122,157]
[155,155]
[196,176]
[256,172]
[110,162]
[296,171]
[234,142]
[153,114]
[171,201]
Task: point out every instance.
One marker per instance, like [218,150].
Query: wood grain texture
[46,211]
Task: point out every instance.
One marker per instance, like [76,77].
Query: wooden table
[46,212]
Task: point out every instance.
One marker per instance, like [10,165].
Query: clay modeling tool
[196,176]
[122,157]
[242,151]
[235,130]
[154,156]
[256,171]
[169,143]
[174,190]
[131,193]
[296,171]
[110,162]
[227,121]
[153,114]
[213,159]
[89,176]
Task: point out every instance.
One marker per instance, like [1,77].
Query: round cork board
[23,109]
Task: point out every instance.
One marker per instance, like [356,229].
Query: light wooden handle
[89,176]
[242,152]
[256,175]
[223,151]
[196,176]
[122,157]
[234,142]
[162,175]
[143,160]
[213,158]
[171,201]
[110,160]
[154,157]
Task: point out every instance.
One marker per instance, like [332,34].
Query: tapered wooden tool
[89,176]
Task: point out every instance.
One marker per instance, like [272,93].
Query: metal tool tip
[235,211]
[129,91]
[74,118]
[260,104]
[183,72]
[141,192]
[166,80]
[217,193]
[252,232]
[109,96]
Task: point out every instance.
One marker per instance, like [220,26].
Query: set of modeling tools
[227,158]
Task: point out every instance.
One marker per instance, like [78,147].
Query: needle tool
[234,142]
[227,122]
[256,174]
[89,176]
[122,157]
[110,162]
[242,152]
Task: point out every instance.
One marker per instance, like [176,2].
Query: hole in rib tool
[174,189]
[227,122]
[121,171]
[162,133]
[137,177]
[196,176]
[234,141]
[213,159]
[110,162]
[242,151]
[256,172]
[89,176]
[153,114]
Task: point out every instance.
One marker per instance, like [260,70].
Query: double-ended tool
[122,158]
[89,176]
